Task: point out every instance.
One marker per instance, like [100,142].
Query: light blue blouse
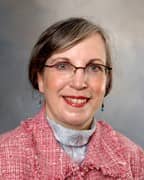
[74,142]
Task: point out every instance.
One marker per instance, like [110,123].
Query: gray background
[21,22]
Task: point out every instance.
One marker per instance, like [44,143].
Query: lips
[76,101]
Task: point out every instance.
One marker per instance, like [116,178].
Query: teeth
[76,101]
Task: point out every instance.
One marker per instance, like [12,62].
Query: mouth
[76,101]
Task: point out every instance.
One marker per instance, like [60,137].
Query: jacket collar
[104,152]
[107,152]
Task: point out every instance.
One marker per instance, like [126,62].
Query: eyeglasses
[91,69]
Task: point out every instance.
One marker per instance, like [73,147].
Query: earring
[102,107]
[40,99]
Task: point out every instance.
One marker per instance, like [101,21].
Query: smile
[76,101]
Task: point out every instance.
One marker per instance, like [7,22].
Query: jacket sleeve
[137,164]
[16,160]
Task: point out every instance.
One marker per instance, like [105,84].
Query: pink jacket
[30,152]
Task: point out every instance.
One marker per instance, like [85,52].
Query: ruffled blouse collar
[71,137]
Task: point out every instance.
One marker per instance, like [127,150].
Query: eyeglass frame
[78,67]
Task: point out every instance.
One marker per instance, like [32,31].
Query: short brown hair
[63,35]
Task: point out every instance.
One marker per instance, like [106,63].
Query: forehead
[92,47]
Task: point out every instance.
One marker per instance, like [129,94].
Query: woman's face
[73,100]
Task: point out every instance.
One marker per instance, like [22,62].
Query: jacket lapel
[105,152]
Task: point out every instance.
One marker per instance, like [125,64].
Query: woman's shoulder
[110,133]
[17,152]
[23,132]
[118,152]
[15,137]
[123,148]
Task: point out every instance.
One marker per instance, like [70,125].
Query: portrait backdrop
[21,22]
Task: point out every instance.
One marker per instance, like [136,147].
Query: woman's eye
[62,65]
[95,67]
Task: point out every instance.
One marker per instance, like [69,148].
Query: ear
[40,81]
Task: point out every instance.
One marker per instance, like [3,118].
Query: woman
[71,66]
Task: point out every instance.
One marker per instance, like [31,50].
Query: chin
[75,123]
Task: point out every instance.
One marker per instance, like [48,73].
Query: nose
[79,80]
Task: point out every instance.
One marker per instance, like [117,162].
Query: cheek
[53,83]
[99,87]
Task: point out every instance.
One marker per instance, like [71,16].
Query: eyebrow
[97,60]
[53,60]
